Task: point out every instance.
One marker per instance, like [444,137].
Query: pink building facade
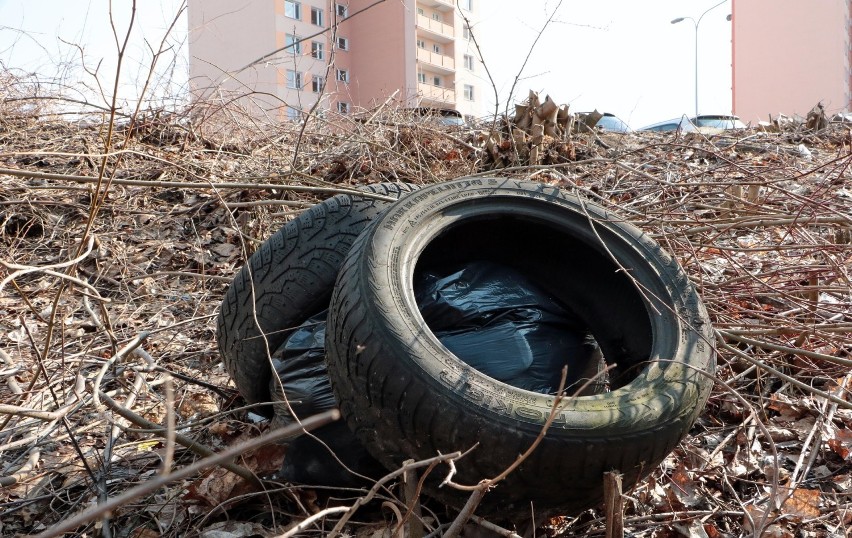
[336,55]
[788,55]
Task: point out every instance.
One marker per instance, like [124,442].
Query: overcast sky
[619,56]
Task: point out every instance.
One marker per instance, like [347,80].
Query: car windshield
[718,122]
[612,123]
[451,120]
[663,127]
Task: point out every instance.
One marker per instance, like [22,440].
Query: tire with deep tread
[288,280]
[406,396]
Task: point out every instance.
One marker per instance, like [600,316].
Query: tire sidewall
[682,354]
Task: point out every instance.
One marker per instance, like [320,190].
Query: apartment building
[280,58]
[788,55]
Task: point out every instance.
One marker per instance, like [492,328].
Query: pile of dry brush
[119,239]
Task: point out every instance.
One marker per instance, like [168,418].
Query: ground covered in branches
[117,246]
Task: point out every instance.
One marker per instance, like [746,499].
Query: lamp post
[696,23]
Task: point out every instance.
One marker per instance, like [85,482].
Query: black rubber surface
[405,396]
[288,280]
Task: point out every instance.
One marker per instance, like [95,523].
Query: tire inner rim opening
[518,298]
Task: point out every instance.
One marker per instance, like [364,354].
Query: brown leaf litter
[760,220]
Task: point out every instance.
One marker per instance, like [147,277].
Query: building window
[343,108]
[342,11]
[316,16]
[420,11]
[294,80]
[317,50]
[421,44]
[317,84]
[466,32]
[436,81]
[468,62]
[436,48]
[293,9]
[294,45]
[421,78]
[467,4]
[437,17]
[468,92]
[343,75]
[343,43]
[293,114]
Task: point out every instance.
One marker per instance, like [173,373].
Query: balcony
[437,30]
[436,93]
[440,5]
[437,62]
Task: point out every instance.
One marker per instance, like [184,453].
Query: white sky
[619,56]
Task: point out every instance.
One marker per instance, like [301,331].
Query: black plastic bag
[500,323]
[323,457]
[300,366]
[488,315]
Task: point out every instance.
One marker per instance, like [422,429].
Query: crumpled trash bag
[488,315]
[300,366]
[318,458]
[499,322]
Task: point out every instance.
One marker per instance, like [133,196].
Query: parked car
[443,116]
[702,123]
[610,123]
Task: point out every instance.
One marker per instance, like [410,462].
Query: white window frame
[294,79]
[343,43]
[318,50]
[466,4]
[342,10]
[342,107]
[293,44]
[293,9]
[437,17]
[469,94]
[469,62]
[317,84]
[436,81]
[436,48]
[343,75]
[421,78]
[317,17]
[420,11]
[466,32]
[421,44]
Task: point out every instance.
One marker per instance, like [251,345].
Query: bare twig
[156,483]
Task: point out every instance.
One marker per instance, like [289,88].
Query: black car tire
[406,396]
[288,280]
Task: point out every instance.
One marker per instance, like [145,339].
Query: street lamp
[696,23]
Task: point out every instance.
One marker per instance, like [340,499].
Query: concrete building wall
[381,59]
[788,55]
[413,50]
[298,62]
[470,72]
[225,36]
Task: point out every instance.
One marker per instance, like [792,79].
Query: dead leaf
[787,410]
[198,404]
[374,531]
[225,250]
[777,531]
[235,529]
[694,530]
[842,444]
[803,503]
[214,488]
[685,487]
